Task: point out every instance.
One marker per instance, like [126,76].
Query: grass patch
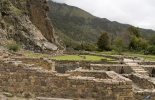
[36,55]
[70,57]
[109,52]
[81,57]
[147,57]
[91,57]
[137,54]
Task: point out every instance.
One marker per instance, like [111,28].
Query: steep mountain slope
[27,23]
[75,25]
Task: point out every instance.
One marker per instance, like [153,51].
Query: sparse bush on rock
[13,47]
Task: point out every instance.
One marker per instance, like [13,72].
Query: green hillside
[75,25]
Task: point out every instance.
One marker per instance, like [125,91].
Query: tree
[86,46]
[134,31]
[136,40]
[151,49]
[151,39]
[132,44]
[103,42]
[118,45]
[137,43]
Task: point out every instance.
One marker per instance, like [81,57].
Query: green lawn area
[69,57]
[76,57]
[91,57]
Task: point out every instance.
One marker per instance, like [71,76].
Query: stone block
[118,90]
[45,98]
[7,94]
[128,82]
[108,82]
[43,83]
[122,83]
[116,82]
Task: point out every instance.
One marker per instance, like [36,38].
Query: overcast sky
[140,13]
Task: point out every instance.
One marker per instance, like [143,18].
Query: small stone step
[145,74]
[141,71]
[138,69]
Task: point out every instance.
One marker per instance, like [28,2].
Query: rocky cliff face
[26,22]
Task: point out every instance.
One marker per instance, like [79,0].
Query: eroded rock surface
[26,22]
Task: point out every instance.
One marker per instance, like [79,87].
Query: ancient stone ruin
[91,80]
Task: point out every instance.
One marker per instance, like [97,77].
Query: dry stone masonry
[29,80]
[37,78]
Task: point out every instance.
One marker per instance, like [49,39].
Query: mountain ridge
[73,24]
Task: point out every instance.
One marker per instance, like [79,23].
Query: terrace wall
[31,81]
[147,63]
[38,62]
[143,81]
[113,67]
[65,65]
[145,94]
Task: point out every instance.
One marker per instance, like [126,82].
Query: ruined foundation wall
[61,65]
[38,62]
[113,67]
[149,69]
[145,94]
[90,73]
[147,63]
[143,81]
[72,64]
[22,80]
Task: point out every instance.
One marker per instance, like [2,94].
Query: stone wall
[149,68]
[118,68]
[147,63]
[145,94]
[31,81]
[64,65]
[61,65]
[38,62]
[90,73]
[143,81]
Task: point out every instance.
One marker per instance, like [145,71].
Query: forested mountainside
[75,25]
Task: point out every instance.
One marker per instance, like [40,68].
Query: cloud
[135,12]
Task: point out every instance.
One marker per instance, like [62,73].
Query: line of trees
[136,42]
[131,40]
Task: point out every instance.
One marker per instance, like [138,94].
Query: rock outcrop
[26,22]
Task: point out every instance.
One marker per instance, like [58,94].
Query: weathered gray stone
[7,94]
[44,98]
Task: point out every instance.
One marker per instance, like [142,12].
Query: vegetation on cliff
[27,23]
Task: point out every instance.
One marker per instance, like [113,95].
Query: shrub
[137,43]
[13,47]
[86,46]
[151,49]
[118,45]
